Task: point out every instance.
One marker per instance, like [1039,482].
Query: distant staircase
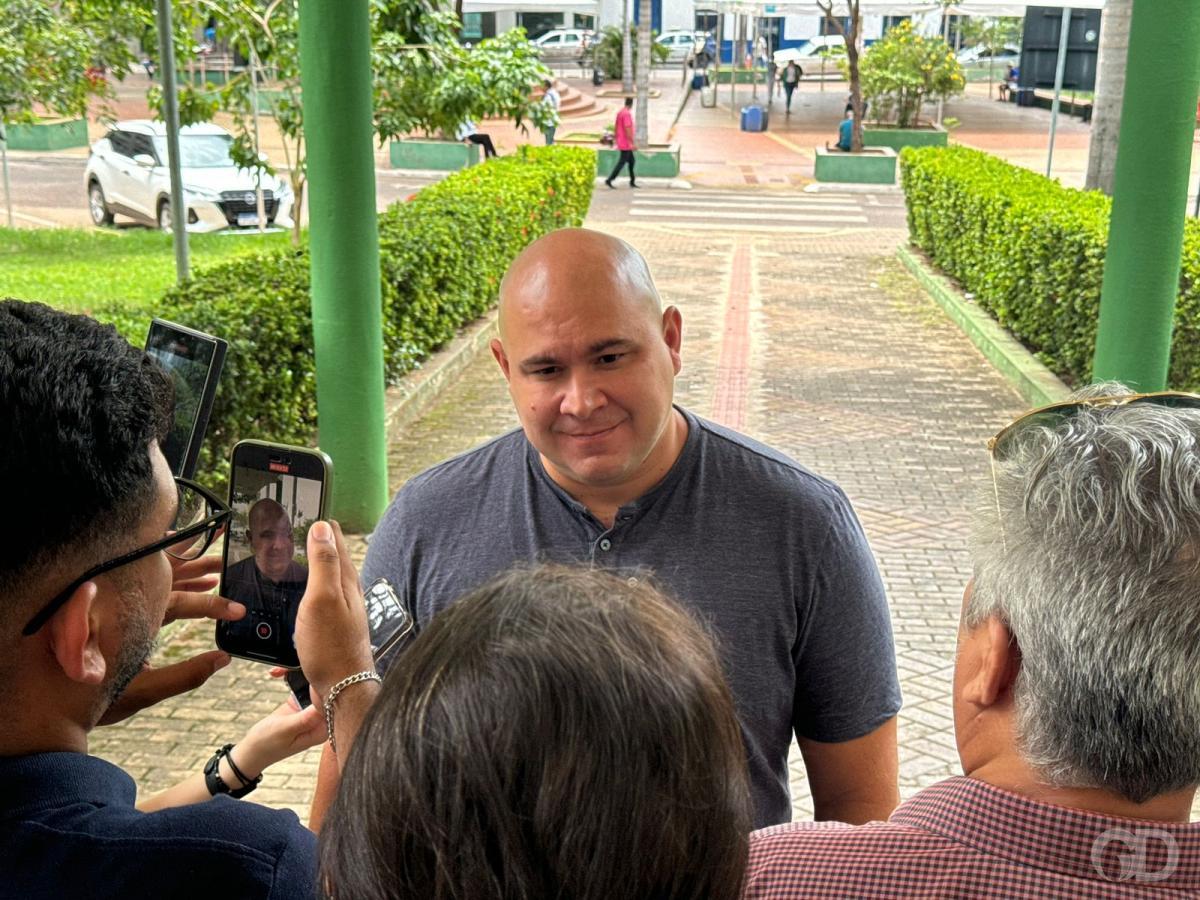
[575,104]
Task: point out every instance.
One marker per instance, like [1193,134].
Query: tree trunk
[641,114]
[1110,91]
[856,133]
[626,49]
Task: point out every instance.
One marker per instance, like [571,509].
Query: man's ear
[673,335]
[501,357]
[74,633]
[998,660]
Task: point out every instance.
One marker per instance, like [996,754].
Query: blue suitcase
[754,118]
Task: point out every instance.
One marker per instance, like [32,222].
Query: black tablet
[194,360]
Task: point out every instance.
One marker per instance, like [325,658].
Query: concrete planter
[899,138]
[874,166]
[48,134]
[656,161]
[444,156]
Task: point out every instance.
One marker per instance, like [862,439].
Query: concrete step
[576,104]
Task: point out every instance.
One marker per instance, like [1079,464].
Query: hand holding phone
[332,639]
[389,622]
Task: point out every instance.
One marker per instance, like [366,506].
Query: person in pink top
[625,143]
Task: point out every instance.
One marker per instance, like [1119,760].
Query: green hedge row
[1032,252]
[442,255]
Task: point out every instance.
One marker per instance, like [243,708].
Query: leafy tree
[57,55]
[607,51]
[904,69]
[992,32]
[425,80]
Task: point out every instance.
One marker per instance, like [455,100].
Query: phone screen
[193,360]
[266,565]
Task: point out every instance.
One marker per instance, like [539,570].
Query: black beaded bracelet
[216,784]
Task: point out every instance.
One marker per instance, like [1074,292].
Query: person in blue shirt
[103,545]
[845,134]
[845,131]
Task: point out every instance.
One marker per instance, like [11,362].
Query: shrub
[1032,252]
[904,69]
[442,256]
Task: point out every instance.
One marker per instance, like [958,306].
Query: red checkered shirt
[965,838]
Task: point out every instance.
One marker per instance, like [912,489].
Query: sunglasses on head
[1002,445]
[1007,439]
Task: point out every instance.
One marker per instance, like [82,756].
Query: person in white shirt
[551,99]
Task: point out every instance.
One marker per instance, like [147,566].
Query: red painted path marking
[733,363]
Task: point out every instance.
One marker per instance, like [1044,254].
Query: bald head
[265,513]
[573,263]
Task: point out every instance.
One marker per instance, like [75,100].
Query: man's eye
[609,358]
[545,372]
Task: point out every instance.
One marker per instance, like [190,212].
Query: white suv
[127,174]
[563,44]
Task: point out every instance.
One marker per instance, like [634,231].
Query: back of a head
[1094,564]
[559,732]
[79,408]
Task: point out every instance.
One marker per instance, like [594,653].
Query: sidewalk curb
[413,397]
[1033,381]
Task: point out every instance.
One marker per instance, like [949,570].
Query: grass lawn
[77,269]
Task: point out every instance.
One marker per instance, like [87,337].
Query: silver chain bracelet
[369,675]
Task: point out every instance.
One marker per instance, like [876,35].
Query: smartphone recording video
[276,494]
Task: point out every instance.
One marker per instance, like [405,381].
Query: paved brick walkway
[819,344]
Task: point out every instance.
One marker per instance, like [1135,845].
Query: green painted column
[1145,243]
[335,63]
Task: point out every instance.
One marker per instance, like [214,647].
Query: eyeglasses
[1006,441]
[198,521]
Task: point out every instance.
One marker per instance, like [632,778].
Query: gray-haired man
[1077,682]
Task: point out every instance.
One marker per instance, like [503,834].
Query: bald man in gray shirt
[607,471]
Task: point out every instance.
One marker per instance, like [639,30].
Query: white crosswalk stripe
[732,210]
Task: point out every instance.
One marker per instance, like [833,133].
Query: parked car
[682,44]
[980,55]
[127,175]
[561,44]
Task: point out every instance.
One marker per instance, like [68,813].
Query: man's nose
[582,397]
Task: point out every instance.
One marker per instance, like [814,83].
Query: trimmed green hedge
[1032,252]
[442,255]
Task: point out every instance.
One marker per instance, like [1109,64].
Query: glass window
[472,29]
[143,145]
[200,151]
[122,142]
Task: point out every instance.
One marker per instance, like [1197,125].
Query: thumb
[324,568]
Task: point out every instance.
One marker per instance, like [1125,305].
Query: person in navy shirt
[102,544]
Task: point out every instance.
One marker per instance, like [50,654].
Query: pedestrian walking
[791,78]
[625,143]
[552,101]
